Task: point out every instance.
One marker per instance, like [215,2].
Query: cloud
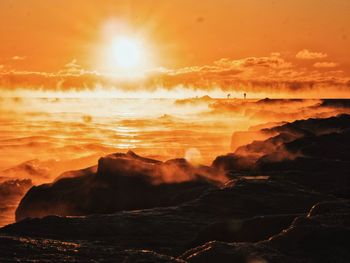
[325,65]
[72,68]
[273,61]
[18,58]
[72,64]
[307,54]
[271,73]
[268,75]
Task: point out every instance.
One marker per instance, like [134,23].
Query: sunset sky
[256,46]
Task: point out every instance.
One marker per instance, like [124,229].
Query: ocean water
[60,130]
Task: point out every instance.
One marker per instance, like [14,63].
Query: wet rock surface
[247,230]
[321,236]
[172,230]
[15,249]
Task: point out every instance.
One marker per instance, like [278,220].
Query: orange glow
[126,52]
[194,85]
[123,52]
[126,57]
[234,47]
[169,79]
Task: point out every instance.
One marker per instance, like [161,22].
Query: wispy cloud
[72,68]
[307,54]
[272,74]
[18,58]
[325,65]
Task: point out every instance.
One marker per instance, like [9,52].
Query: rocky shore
[283,198]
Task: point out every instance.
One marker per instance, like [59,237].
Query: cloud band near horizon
[272,74]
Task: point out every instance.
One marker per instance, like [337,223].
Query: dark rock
[172,228]
[244,230]
[335,103]
[215,251]
[122,182]
[248,198]
[305,152]
[315,126]
[320,237]
[16,249]
[278,101]
[176,206]
[234,162]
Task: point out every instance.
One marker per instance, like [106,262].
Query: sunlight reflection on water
[32,128]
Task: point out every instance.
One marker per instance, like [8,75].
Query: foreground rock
[170,230]
[322,236]
[313,152]
[122,182]
[15,249]
[247,230]
[288,202]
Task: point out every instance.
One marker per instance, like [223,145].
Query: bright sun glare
[127,56]
[124,52]
[127,53]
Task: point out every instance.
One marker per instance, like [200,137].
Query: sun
[124,52]
[126,56]
[127,53]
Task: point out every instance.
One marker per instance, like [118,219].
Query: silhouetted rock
[241,138]
[245,230]
[319,162]
[316,126]
[234,162]
[248,198]
[170,230]
[320,237]
[312,152]
[136,209]
[278,101]
[77,173]
[122,182]
[336,103]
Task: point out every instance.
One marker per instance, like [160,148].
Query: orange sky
[43,36]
